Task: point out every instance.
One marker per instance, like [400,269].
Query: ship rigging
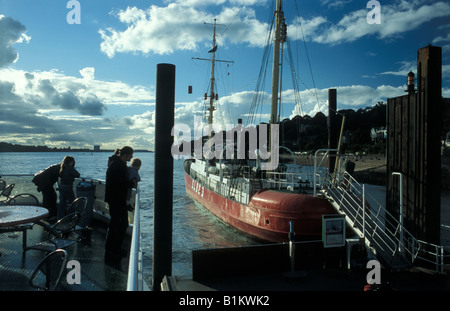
[264,203]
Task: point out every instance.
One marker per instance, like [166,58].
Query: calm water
[193,227]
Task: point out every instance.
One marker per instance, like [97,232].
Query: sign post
[333,231]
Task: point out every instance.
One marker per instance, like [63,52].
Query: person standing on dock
[45,180]
[67,174]
[117,184]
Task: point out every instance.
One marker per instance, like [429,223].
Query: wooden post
[163,184]
[332,128]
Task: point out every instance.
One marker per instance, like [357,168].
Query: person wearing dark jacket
[117,184]
[67,174]
[44,180]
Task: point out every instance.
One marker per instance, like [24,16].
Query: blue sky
[93,83]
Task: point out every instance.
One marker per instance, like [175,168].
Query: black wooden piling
[333,129]
[163,174]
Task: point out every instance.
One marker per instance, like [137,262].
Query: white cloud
[348,97]
[444,40]
[164,30]
[179,25]
[199,3]
[237,105]
[88,73]
[405,68]
[335,3]
[249,2]
[396,19]
[157,30]
[144,122]
[64,110]
[445,71]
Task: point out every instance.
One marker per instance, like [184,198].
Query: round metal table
[21,214]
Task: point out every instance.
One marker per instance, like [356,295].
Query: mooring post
[332,129]
[163,174]
[292,245]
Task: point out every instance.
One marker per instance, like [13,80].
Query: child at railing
[133,175]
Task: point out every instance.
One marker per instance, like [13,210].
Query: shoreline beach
[371,169]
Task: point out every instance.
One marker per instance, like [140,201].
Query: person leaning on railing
[45,180]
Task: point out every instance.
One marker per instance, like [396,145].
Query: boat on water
[266,204]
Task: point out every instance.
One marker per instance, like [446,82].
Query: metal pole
[400,243]
[364,210]
[292,245]
[163,172]
[315,173]
[332,137]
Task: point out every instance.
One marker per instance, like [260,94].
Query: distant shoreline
[7,147]
[70,150]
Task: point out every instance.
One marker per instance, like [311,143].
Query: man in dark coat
[116,188]
[45,180]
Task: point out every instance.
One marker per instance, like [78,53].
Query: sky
[83,73]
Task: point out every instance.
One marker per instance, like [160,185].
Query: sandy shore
[361,162]
[372,168]
[368,168]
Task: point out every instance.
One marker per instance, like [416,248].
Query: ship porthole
[267,221]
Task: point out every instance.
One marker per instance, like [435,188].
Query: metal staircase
[384,235]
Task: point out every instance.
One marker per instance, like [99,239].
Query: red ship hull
[268,213]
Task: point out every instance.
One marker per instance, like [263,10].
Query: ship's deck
[16,267]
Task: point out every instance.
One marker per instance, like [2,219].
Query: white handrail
[135,280]
[318,165]
[384,230]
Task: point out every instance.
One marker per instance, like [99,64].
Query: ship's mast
[276,62]
[213,60]
[278,40]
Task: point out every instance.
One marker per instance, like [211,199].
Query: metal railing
[383,233]
[280,180]
[135,280]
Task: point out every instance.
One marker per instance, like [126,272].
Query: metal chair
[7,191]
[47,275]
[2,184]
[79,206]
[59,235]
[23,199]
